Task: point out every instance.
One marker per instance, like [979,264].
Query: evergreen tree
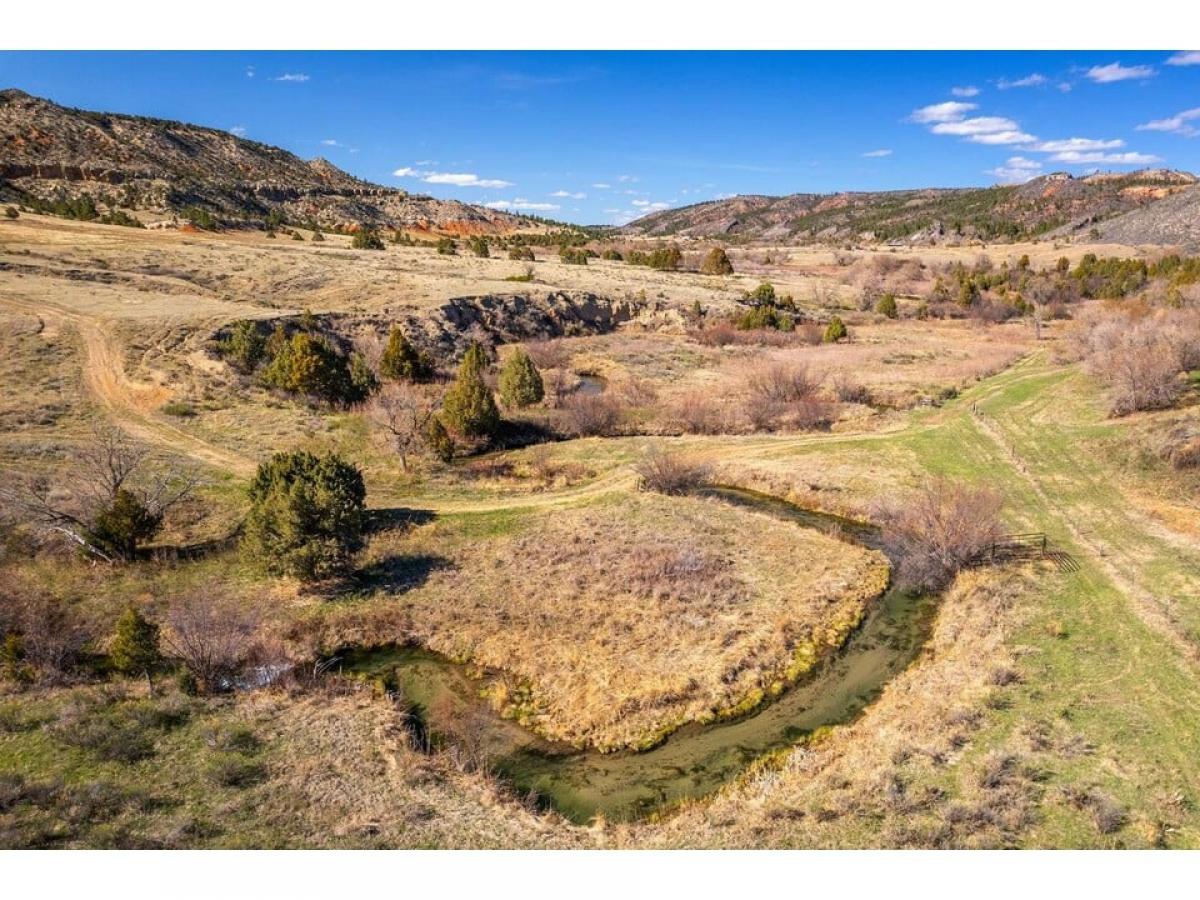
[134,648]
[469,407]
[401,361]
[245,346]
[123,524]
[439,441]
[716,263]
[666,258]
[835,330]
[887,306]
[308,364]
[363,382]
[306,515]
[520,381]
[367,239]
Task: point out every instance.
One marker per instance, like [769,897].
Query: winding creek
[696,759]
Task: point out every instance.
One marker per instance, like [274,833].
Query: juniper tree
[306,515]
[135,649]
[716,263]
[401,361]
[835,331]
[469,407]
[520,381]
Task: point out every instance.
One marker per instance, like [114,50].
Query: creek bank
[697,758]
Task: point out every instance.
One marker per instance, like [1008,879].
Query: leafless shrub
[697,413]
[48,633]
[548,354]
[938,529]
[762,413]
[809,333]
[213,636]
[849,389]
[720,333]
[990,312]
[811,414]
[463,729]
[782,382]
[637,392]
[592,415]
[1139,361]
[403,413]
[670,473]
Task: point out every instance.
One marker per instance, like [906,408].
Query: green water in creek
[696,759]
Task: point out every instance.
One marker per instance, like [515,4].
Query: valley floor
[1050,708]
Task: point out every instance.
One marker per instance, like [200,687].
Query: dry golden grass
[619,621]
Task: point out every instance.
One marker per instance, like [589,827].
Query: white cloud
[238,130]
[966,91]
[1065,86]
[568,194]
[624,178]
[877,154]
[1077,157]
[649,205]
[464,179]
[292,76]
[1033,80]
[330,142]
[458,179]
[610,212]
[520,204]
[985,130]
[426,162]
[249,71]
[1002,138]
[949,111]
[1016,170]
[1078,143]
[1185,58]
[1117,72]
[1176,124]
[601,186]
[976,125]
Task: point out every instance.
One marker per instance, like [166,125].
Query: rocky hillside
[1174,221]
[52,153]
[1050,203]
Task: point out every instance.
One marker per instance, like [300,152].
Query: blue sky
[604,137]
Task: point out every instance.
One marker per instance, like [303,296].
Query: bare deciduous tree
[403,412]
[938,529]
[213,637]
[1140,360]
[108,468]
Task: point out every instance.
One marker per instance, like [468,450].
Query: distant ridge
[53,152]
[1057,204]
